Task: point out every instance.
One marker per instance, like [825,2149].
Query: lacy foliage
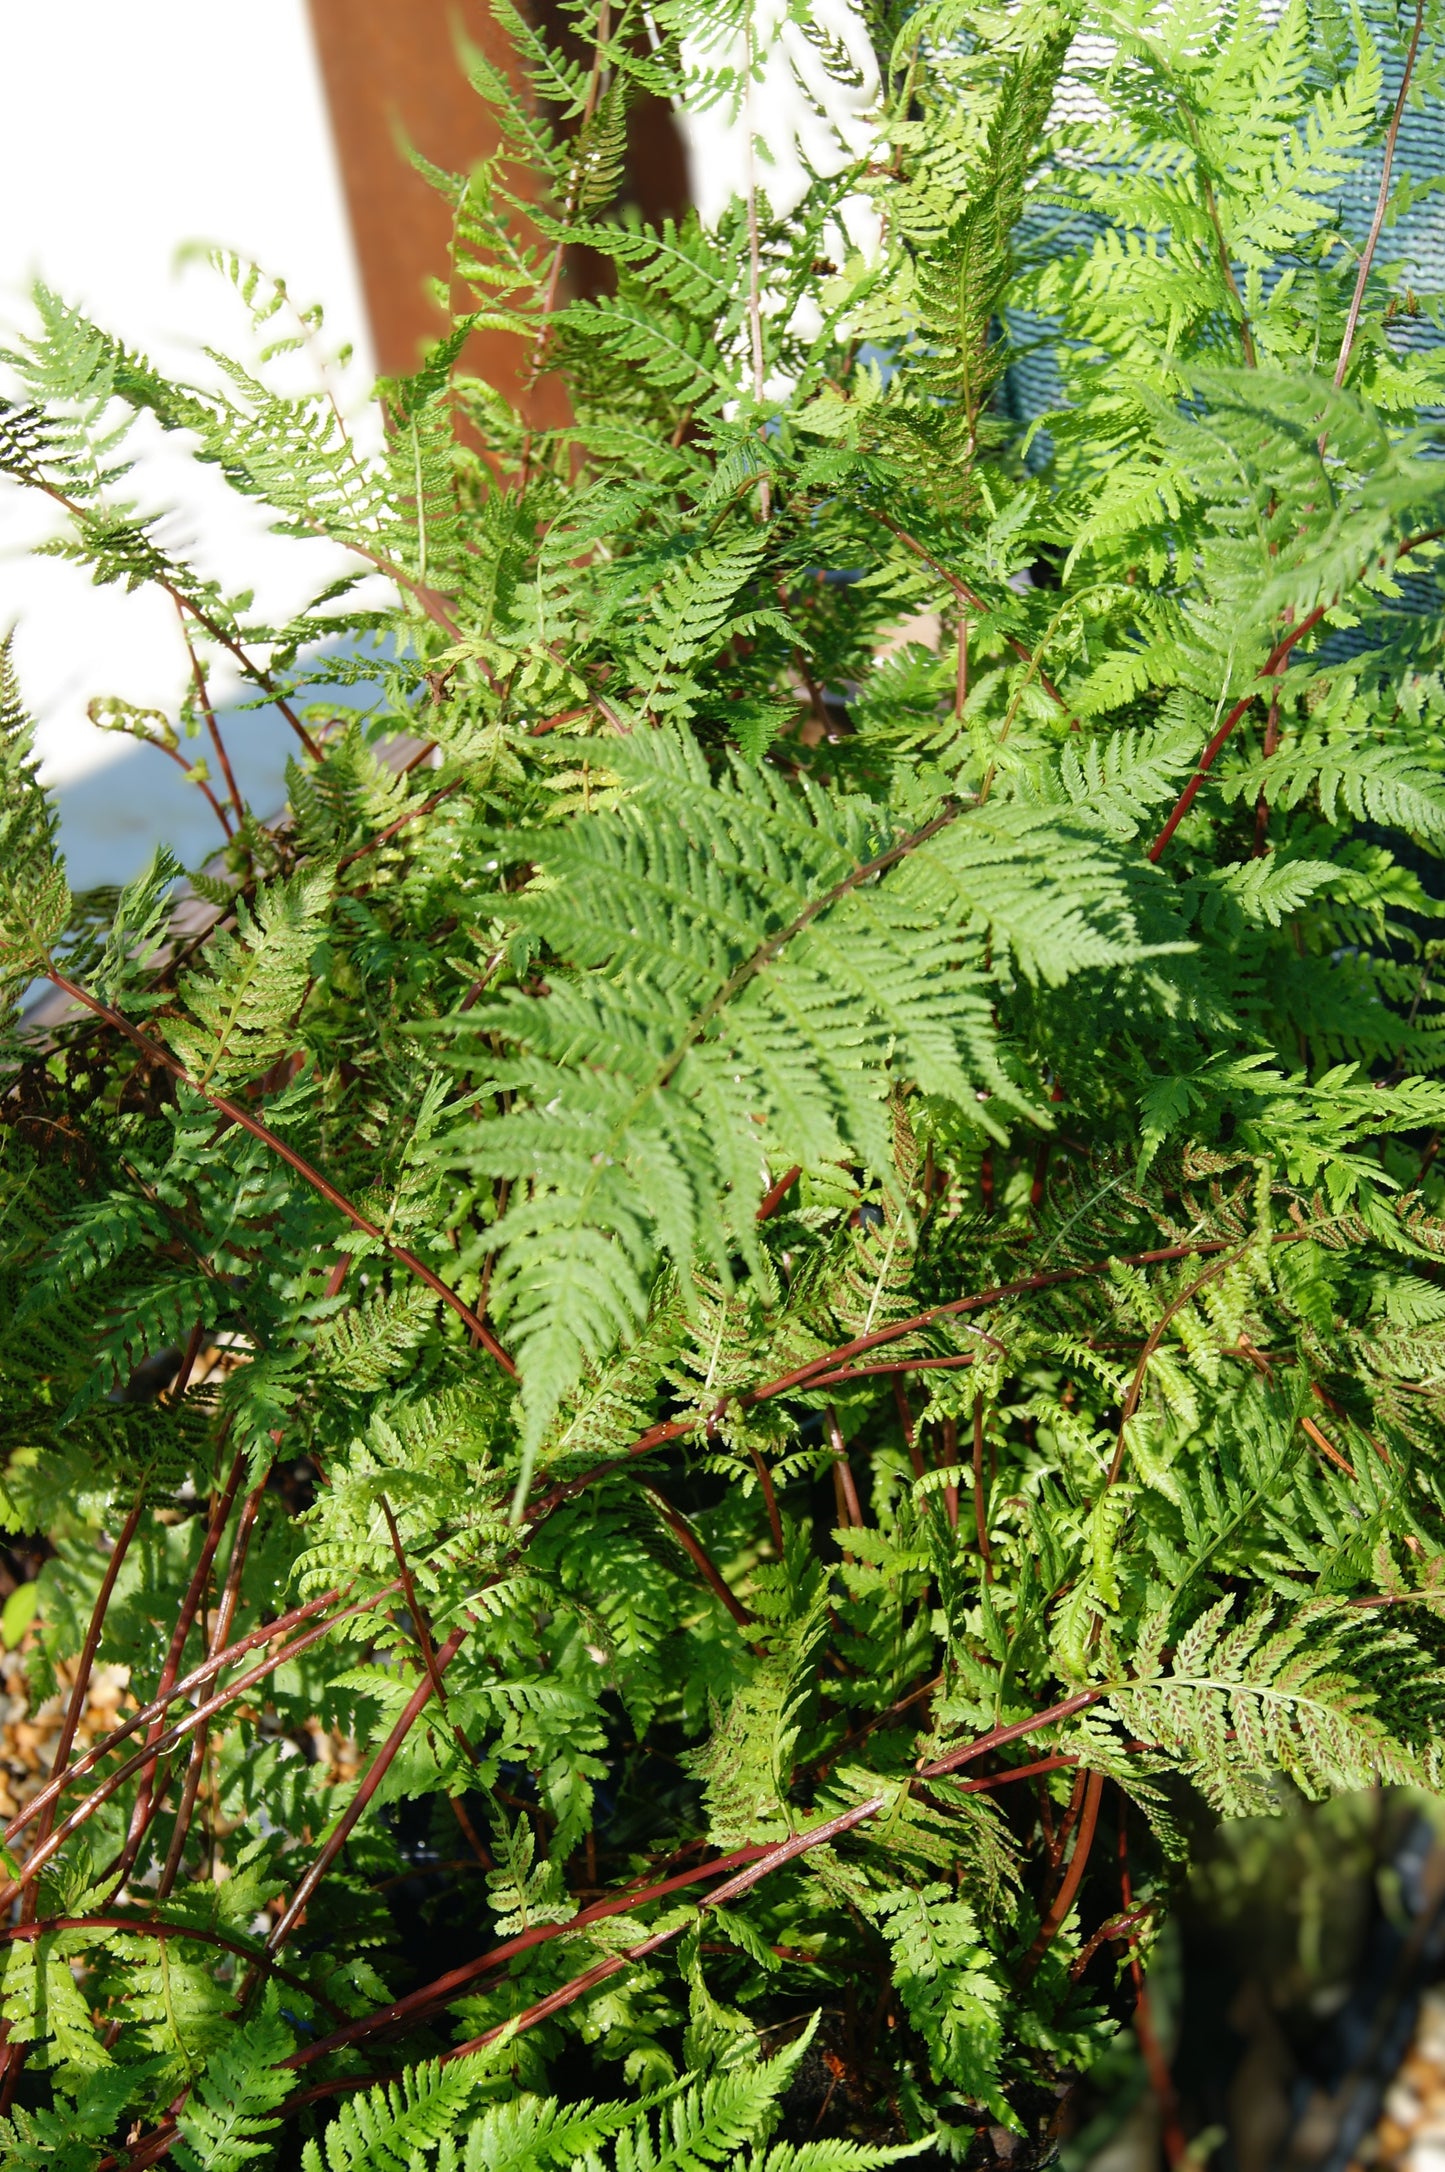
[789,1225]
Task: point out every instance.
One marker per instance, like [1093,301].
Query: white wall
[776,113]
[130,131]
[184,121]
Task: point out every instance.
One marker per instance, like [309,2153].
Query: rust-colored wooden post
[393,77]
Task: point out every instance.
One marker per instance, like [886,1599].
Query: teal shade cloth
[1033,385]
[1413,247]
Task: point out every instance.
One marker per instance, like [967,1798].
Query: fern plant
[760,1302]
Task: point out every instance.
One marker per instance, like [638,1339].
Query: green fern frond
[393,2128]
[839,1061]
[1245,1700]
[242,1006]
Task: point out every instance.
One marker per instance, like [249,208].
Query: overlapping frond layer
[802,1181]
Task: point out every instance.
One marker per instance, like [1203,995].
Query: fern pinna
[789,1222]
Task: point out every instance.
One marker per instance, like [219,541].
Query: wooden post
[393,78]
[394,81]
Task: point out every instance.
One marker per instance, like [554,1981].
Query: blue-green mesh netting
[1033,386]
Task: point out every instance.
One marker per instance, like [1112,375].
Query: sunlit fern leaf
[370,1344]
[242,1005]
[752,971]
[940,1967]
[395,2126]
[1242,1702]
[71,2133]
[35,906]
[963,279]
[694,2125]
